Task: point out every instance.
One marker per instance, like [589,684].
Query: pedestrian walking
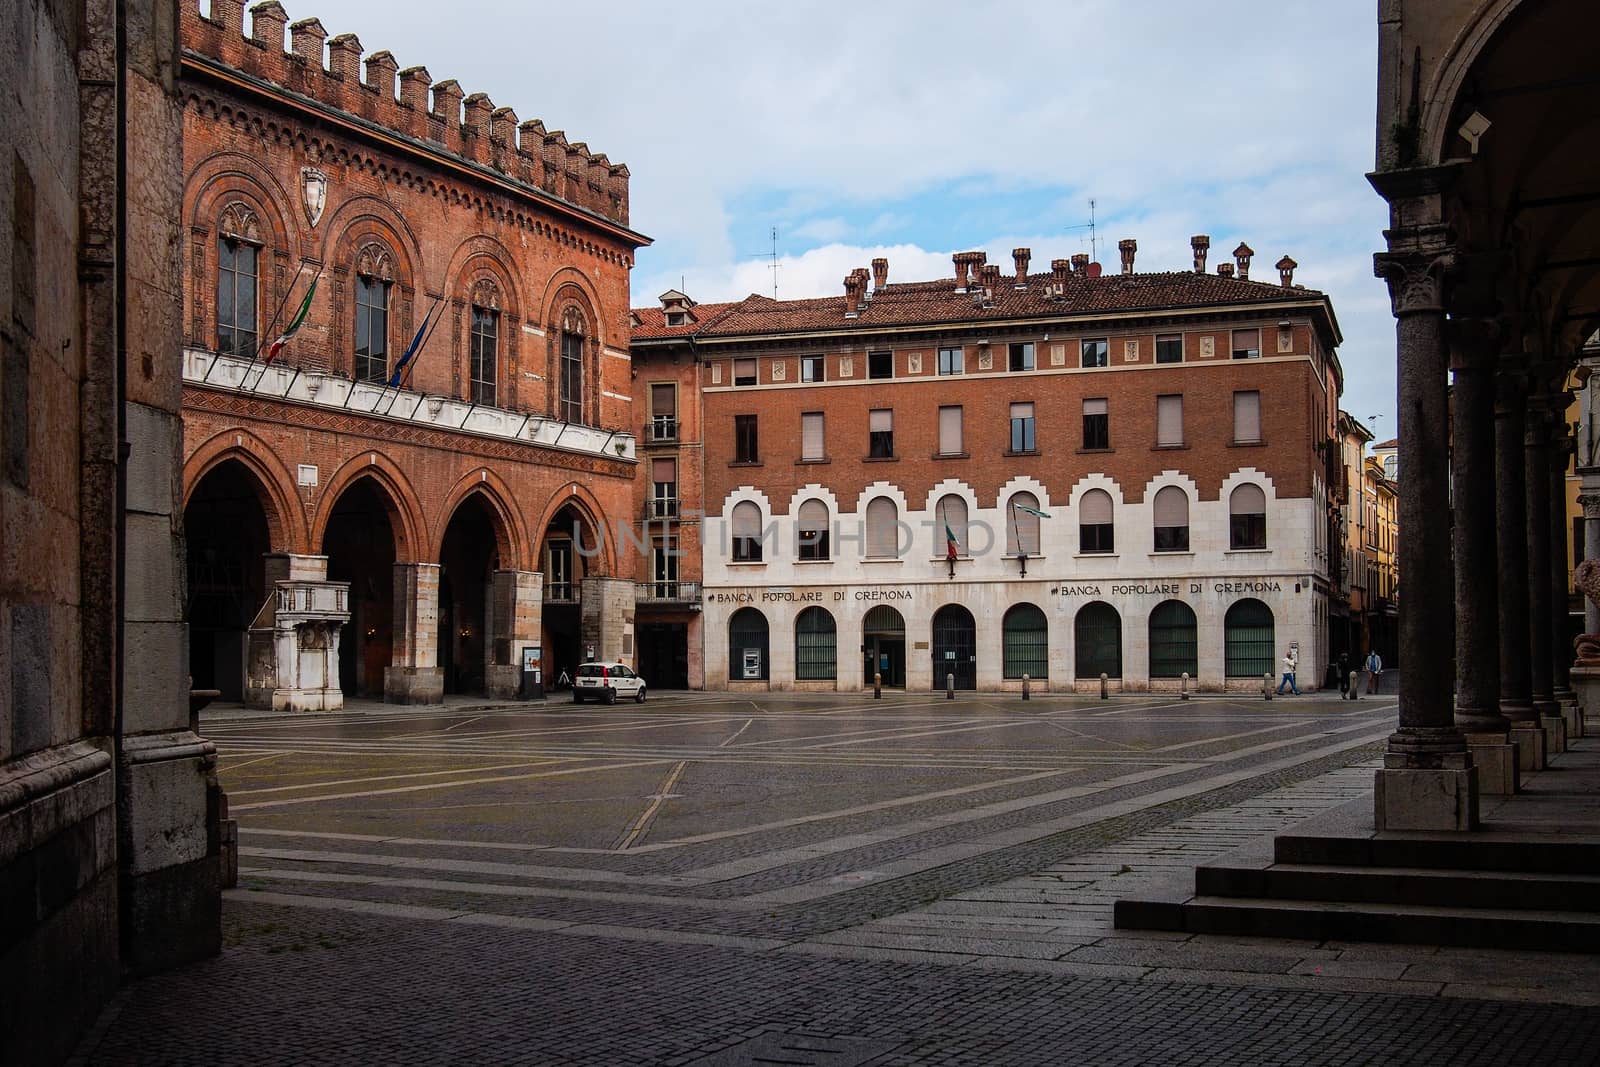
[1374,670]
[1289,664]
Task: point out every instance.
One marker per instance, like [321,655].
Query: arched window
[1024,640]
[238,281]
[1247,517]
[747,645]
[1174,647]
[570,408]
[1097,632]
[1171,517]
[883,529]
[746,532]
[374,276]
[951,515]
[1248,640]
[485,342]
[811,532]
[815,646]
[1022,525]
[1095,530]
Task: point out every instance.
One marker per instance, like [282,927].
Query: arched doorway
[226,536]
[1248,640]
[747,646]
[955,647]
[1174,641]
[1024,642]
[359,542]
[467,562]
[568,547]
[883,647]
[1097,633]
[815,646]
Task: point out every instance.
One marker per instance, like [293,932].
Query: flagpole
[282,301]
[411,355]
[259,348]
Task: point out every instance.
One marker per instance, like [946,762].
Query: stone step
[1484,851]
[1503,890]
[1344,921]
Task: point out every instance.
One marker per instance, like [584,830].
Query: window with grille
[1169,421]
[1097,638]
[1024,642]
[883,529]
[816,657]
[372,329]
[1096,424]
[950,438]
[571,408]
[746,532]
[238,280]
[485,355]
[811,532]
[1171,515]
[1022,439]
[1247,417]
[1248,640]
[1247,517]
[880,434]
[1174,644]
[1095,530]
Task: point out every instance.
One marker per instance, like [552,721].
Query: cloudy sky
[915,129]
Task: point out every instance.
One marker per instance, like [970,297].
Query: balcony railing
[662,428]
[560,592]
[673,592]
[661,507]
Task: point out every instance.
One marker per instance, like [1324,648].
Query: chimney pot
[967,262]
[1224,270]
[1286,268]
[1201,243]
[344,58]
[880,272]
[306,37]
[1021,256]
[1080,262]
[1127,246]
[267,21]
[1241,256]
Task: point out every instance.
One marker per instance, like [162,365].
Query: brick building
[421,536]
[1061,475]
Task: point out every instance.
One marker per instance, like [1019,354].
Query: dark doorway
[225,531]
[664,654]
[359,544]
[467,564]
[883,647]
[955,647]
[564,565]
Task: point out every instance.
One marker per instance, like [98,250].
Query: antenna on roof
[772,256]
[1094,240]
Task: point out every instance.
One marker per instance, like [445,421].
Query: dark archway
[568,548]
[1174,641]
[955,647]
[226,536]
[359,542]
[1097,636]
[467,562]
[883,647]
[1249,644]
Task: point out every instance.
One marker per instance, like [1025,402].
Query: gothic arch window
[374,280]
[573,331]
[485,347]
[238,281]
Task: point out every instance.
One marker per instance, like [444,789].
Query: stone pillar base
[503,682]
[1555,730]
[1529,737]
[1586,685]
[307,699]
[413,685]
[1572,712]
[1444,798]
[1495,757]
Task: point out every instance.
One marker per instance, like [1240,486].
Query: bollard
[1105,693]
[1355,694]
[950,686]
[1024,687]
[877,685]
[1183,686]
[1266,687]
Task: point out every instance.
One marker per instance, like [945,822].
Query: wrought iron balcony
[661,507]
[661,430]
[669,592]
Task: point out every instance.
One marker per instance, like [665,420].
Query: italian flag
[1032,511]
[293,328]
[951,549]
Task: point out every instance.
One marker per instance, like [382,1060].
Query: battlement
[330,70]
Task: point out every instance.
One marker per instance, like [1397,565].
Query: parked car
[605,682]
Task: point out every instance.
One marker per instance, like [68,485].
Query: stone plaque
[985,360]
[914,363]
[780,370]
[716,374]
[1058,355]
[1285,340]
[1130,351]
[1208,347]
[847,367]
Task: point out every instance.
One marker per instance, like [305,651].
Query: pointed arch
[511,536]
[582,500]
[405,509]
[286,520]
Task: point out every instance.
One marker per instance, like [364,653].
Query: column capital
[1590,503]
[1416,279]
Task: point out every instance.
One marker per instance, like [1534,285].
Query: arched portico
[227,535]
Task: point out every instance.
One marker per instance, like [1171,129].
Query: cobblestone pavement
[829,880]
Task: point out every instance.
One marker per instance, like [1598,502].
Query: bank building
[1000,475]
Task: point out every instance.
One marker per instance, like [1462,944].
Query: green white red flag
[293,328]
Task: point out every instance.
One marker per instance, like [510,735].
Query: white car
[605,682]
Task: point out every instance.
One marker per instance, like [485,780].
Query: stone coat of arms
[313,193]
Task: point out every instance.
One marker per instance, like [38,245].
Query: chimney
[503,125]
[1286,268]
[447,103]
[414,82]
[267,21]
[991,277]
[344,58]
[1241,256]
[530,136]
[1080,262]
[851,299]
[478,109]
[863,298]
[880,273]
[1020,257]
[966,261]
[229,14]
[306,37]
[381,68]
[1201,243]
[1127,246]
[1059,269]
[1224,270]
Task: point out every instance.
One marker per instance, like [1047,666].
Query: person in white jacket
[1289,664]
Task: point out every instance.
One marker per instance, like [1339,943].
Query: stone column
[1560,549]
[1427,781]
[1585,672]
[414,676]
[1511,510]
[1473,348]
[1536,462]
[607,619]
[1590,502]
[516,599]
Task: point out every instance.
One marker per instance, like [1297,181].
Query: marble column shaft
[1473,471]
[1537,473]
[1511,511]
